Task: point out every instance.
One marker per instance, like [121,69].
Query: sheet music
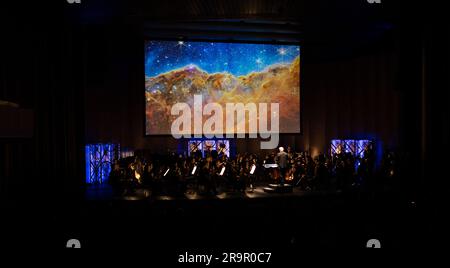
[253,169]
[167,171]
[222,171]
[270,165]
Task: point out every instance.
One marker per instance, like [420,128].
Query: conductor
[281,160]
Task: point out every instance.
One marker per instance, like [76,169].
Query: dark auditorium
[224,131]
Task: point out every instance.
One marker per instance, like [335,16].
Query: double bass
[291,170]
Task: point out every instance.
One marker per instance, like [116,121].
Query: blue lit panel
[227,146]
[350,146]
[355,147]
[194,145]
[99,159]
[209,145]
[337,146]
[203,145]
[361,146]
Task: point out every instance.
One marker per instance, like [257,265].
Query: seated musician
[290,153]
[148,174]
[208,149]
[115,178]
[240,179]
[207,178]
[232,173]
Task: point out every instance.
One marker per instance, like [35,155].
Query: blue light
[88,165]
[355,147]
[349,146]
[361,145]
[99,159]
[335,143]
[201,145]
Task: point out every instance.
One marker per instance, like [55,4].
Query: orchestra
[216,172]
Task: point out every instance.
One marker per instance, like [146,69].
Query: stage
[172,124]
[105,192]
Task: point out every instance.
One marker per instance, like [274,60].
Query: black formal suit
[282,160]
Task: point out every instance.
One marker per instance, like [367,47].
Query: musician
[139,170]
[178,180]
[191,180]
[222,150]
[195,151]
[282,161]
[148,174]
[208,171]
[115,179]
[233,174]
[252,177]
[208,149]
[241,177]
[290,153]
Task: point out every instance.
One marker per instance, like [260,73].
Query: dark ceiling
[276,10]
[251,20]
[338,25]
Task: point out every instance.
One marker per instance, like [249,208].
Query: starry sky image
[235,58]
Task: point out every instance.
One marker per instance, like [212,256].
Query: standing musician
[195,151]
[282,161]
[222,150]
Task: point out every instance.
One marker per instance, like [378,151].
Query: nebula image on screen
[223,73]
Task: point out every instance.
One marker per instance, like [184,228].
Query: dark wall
[114,89]
[41,69]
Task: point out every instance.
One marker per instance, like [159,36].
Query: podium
[277,188]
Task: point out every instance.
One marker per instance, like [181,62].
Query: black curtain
[59,112]
[42,69]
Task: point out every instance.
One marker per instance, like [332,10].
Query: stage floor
[105,192]
[301,219]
